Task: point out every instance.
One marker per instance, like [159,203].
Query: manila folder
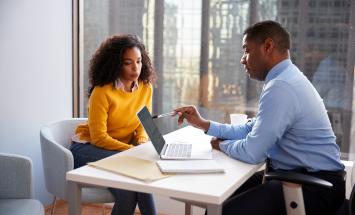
[134,167]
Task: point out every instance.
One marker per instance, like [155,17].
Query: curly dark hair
[106,64]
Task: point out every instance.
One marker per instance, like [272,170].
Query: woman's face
[132,65]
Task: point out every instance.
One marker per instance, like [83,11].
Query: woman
[120,76]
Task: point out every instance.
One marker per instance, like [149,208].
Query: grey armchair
[16,186]
[58,160]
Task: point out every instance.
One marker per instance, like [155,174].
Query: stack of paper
[131,166]
[189,166]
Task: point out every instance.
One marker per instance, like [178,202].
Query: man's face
[254,59]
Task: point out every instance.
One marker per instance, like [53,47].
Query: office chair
[292,189]
[16,186]
[58,160]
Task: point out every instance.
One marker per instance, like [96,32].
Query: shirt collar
[277,69]
[119,85]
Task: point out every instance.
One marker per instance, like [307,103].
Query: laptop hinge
[164,149]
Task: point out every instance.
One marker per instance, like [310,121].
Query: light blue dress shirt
[291,127]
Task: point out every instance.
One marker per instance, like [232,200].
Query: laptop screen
[151,129]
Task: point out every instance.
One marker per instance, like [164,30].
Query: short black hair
[260,31]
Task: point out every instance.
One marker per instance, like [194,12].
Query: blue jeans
[125,201]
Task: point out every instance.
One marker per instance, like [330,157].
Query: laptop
[172,150]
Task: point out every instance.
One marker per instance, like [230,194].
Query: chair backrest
[353,175]
[352,195]
[16,177]
[57,158]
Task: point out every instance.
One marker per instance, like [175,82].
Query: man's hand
[192,116]
[215,143]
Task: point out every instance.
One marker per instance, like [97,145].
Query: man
[291,129]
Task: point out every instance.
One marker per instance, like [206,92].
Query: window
[196,47]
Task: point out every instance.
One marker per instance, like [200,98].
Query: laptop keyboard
[179,150]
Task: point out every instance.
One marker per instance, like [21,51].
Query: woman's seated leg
[125,201]
[146,204]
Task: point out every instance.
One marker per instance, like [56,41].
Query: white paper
[189,166]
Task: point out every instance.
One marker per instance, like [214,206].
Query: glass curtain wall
[196,48]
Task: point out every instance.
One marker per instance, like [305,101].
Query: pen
[163,115]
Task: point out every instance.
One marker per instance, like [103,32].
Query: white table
[209,190]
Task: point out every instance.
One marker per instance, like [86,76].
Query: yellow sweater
[112,120]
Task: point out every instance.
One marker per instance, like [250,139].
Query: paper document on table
[131,166]
[189,166]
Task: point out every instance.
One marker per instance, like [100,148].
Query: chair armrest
[16,176]
[297,178]
[57,161]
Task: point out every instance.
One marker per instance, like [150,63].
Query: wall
[36,78]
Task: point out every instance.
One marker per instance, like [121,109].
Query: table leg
[188,208]
[74,198]
[214,209]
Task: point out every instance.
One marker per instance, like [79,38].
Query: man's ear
[269,45]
